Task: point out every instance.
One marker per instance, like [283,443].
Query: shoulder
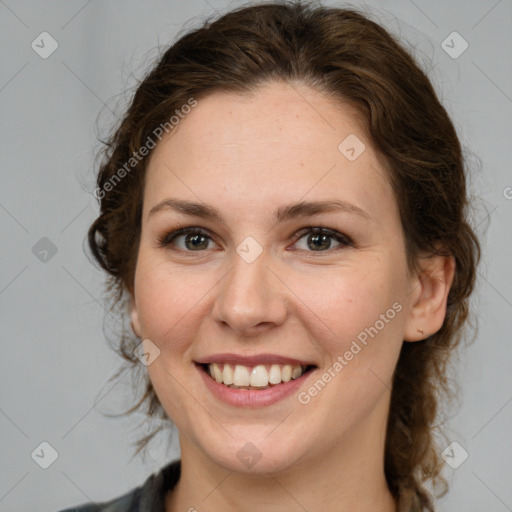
[149,497]
[124,503]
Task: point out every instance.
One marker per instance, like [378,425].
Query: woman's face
[259,291]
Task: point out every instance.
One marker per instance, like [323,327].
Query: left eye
[320,240]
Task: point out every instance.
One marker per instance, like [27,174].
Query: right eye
[193,239]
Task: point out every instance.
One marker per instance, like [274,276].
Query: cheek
[358,325]
[347,304]
[166,300]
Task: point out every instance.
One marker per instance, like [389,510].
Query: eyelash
[345,241]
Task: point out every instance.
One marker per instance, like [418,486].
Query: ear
[134,317]
[430,296]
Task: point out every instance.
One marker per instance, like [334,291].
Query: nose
[251,298]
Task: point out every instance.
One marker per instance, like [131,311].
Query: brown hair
[344,54]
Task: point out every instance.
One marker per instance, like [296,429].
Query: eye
[313,239]
[318,239]
[193,239]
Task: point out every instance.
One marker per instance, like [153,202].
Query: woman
[283,216]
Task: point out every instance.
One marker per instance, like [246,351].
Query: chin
[254,452]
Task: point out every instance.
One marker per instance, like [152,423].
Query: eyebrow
[283,213]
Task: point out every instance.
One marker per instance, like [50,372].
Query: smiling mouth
[257,377]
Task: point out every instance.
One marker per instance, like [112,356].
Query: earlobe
[428,312]
[134,318]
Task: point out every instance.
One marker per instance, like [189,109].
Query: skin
[246,156]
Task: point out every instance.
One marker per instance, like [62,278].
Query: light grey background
[56,362]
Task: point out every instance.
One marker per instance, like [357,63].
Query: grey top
[148,497]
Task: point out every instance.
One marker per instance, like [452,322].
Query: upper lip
[251,360]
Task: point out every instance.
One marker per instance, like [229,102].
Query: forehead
[280,144]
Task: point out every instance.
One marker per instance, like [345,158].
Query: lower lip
[251,397]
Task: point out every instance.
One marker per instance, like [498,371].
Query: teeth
[217,374]
[241,377]
[227,374]
[296,372]
[259,376]
[286,373]
[274,376]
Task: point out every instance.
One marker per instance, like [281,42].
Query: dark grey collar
[150,497]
